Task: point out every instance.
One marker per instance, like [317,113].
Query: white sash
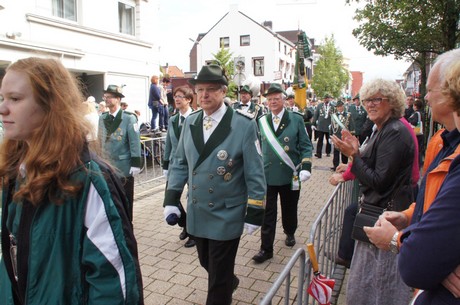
[278,149]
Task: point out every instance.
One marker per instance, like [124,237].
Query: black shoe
[328,155]
[262,256]
[318,156]
[338,260]
[290,240]
[236,282]
[183,235]
[189,243]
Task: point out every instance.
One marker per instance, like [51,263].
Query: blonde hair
[55,148]
[390,90]
[450,84]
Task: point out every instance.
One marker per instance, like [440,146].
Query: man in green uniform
[245,106]
[121,144]
[219,156]
[287,152]
[359,116]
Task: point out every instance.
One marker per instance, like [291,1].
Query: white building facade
[102,42]
[257,50]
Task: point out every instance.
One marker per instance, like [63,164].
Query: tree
[330,75]
[224,59]
[415,30]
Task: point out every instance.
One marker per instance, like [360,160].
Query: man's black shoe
[262,256]
[236,282]
[189,243]
[290,240]
[318,156]
[328,155]
[183,235]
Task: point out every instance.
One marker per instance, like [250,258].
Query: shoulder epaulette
[245,114]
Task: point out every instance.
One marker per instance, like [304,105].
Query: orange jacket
[436,177]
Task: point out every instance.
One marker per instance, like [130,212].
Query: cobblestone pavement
[172,274]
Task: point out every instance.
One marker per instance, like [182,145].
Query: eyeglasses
[107,97]
[179,97]
[209,90]
[374,101]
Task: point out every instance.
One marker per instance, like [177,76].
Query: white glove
[134,171]
[171,209]
[165,172]
[304,175]
[313,127]
[250,228]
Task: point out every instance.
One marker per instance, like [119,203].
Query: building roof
[275,34]
[173,71]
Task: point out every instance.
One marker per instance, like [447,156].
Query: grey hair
[389,89]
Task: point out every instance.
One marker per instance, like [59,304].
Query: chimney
[268,24]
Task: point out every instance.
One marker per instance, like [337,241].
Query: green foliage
[224,58]
[414,30]
[329,76]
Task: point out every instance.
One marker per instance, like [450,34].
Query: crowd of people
[67,206]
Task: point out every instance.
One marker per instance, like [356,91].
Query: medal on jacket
[14,255]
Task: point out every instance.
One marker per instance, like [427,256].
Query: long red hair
[55,149]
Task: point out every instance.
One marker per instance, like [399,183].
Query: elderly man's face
[210,96]
[439,103]
[275,102]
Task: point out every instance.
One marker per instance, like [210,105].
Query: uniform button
[211,190]
[194,201]
[281,163]
[193,187]
[211,204]
[193,173]
[211,176]
[270,163]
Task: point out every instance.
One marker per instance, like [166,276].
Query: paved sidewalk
[172,274]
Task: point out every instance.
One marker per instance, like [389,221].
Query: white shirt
[245,108]
[279,115]
[185,115]
[216,118]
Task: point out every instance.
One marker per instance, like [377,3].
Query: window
[224,42]
[126,18]
[245,40]
[285,50]
[258,63]
[66,9]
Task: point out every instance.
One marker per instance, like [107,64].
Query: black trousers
[218,258]
[319,146]
[128,185]
[288,200]
[336,160]
[346,243]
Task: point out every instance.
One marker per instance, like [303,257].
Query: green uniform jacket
[172,139]
[347,120]
[120,140]
[254,111]
[81,252]
[293,137]
[322,117]
[359,115]
[226,183]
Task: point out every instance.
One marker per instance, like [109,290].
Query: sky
[181,20]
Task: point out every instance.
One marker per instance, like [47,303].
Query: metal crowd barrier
[325,235]
[152,152]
